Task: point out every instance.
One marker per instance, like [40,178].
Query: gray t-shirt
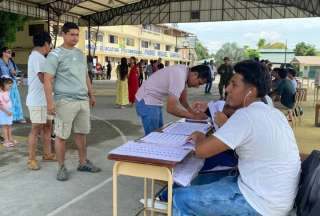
[69,66]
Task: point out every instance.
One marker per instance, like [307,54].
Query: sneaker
[62,174]
[33,165]
[88,167]
[8,144]
[49,157]
[15,142]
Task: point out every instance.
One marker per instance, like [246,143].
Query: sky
[214,34]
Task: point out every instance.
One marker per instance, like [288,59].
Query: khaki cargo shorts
[38,114]
[71,113]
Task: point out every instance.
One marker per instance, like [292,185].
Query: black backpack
[307,202]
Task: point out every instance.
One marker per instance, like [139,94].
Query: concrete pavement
[38,193]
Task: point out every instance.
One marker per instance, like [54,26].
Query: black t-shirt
[287,92]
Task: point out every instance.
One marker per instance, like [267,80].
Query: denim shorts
[214,194]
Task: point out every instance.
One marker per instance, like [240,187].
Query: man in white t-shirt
[36,101]
[169,83]
[268,163]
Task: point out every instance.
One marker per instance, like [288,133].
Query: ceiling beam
[121,2]
[85,8]
[99,3]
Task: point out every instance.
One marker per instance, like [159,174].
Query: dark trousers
[208,87]
[222,87]
[108,75]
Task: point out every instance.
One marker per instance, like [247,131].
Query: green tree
[231,50]
[303,49]
[9,23]
[251,53]
[202,51]
[261,43]
[275,45]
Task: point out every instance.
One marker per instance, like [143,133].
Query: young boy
[36,101]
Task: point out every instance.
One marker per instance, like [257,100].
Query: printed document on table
[186,128]
[187,170]
[174,140]
[151,151]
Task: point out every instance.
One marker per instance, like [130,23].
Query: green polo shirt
[69,68]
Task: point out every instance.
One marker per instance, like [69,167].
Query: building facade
[277,56]
[147,42]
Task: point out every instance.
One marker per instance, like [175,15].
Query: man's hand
[199,106]
[9,113]
[92,100]
[197,137]
[220,118]
[199,116]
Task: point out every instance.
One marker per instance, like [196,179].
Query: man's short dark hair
[292,71]
[203,72]
[283,73]
[2,50]
[41,38]
[226,59]
[256,74]
[69,25]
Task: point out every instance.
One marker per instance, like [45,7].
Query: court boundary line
[95,188]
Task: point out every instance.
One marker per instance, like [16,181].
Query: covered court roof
[127,12]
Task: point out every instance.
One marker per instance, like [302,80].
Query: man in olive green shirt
[226,72]
[67,77]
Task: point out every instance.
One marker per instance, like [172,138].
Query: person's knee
[59,140]
[185,202]
[47,127]
[36,128]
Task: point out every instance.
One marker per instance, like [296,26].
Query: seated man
[275,78]
[269,163]
[285,91]
[292,77]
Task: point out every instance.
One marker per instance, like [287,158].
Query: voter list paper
[151,151]
[186,128]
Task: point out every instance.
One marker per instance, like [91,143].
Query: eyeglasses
[9,51]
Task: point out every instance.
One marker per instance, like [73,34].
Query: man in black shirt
[226,72]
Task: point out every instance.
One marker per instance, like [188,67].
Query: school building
[147,42]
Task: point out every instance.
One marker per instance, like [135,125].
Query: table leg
[115,189]
[152,196]
[317,94]
[145,196]
[170,184]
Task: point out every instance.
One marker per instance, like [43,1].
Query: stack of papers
[172,140]
[171,145]
[151,151]
[186,171]
[186,128]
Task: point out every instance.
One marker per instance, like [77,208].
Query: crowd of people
[258,137]
[130,76]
